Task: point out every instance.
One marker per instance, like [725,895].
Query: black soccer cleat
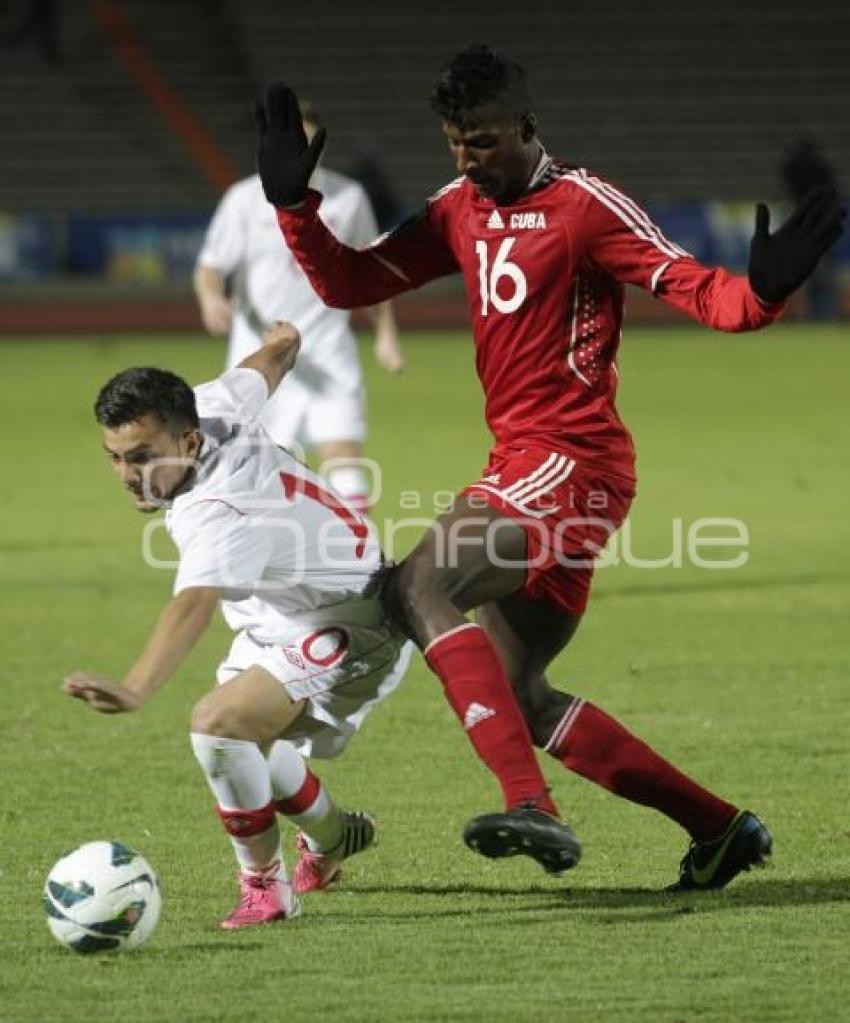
[525,831]
[744,844]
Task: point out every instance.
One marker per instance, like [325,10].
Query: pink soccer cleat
[264,897]
[320,871]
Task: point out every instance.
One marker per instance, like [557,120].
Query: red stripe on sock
[598,748]
[245,823]
[303,799]
[479,691]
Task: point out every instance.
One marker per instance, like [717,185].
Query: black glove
[284,160]
[780,262]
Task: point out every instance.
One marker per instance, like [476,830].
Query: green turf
[738,675]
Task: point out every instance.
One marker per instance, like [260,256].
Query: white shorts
[323,398]
[341,671]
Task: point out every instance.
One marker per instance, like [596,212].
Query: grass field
[738,675]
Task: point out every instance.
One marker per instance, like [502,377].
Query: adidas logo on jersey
[475,714]
[528,221]
[495,221]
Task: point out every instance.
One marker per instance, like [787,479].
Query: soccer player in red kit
[544,249]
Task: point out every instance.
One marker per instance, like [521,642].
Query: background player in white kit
[290,565]
[321,404]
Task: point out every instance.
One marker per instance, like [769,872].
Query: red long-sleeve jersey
[544,280]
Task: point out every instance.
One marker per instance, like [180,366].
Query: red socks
[477,687]
[247,823]
[594,745]
[303,799]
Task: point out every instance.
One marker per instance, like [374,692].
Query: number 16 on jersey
[489,276]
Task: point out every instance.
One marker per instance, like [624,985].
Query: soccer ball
[102,897]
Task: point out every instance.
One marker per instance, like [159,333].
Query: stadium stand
[147,112]
[82,135]
[674,101]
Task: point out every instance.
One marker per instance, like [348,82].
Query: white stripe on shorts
[560,472]
[525,481]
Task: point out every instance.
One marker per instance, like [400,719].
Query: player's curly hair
[477,76]
[136,392]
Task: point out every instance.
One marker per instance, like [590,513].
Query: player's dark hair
[477,76]
[142,390]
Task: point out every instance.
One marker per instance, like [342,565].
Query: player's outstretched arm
[277,356]
[343,277]
[178,629]
[621,238]
[782,261]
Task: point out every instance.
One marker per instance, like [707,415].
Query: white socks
[236,771]
[287,769]
[303,799]
[250,788]
[238,775]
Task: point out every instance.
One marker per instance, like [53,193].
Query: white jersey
[244,240]
[284,549]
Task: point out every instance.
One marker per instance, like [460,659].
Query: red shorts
[568,512]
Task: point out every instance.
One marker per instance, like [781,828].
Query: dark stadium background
[123,121]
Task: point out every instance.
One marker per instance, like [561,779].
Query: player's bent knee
[543,708]
[537,719]
[406,595]
[211,716]
[420,581]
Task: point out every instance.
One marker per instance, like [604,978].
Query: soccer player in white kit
[290,564]
[321,404]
